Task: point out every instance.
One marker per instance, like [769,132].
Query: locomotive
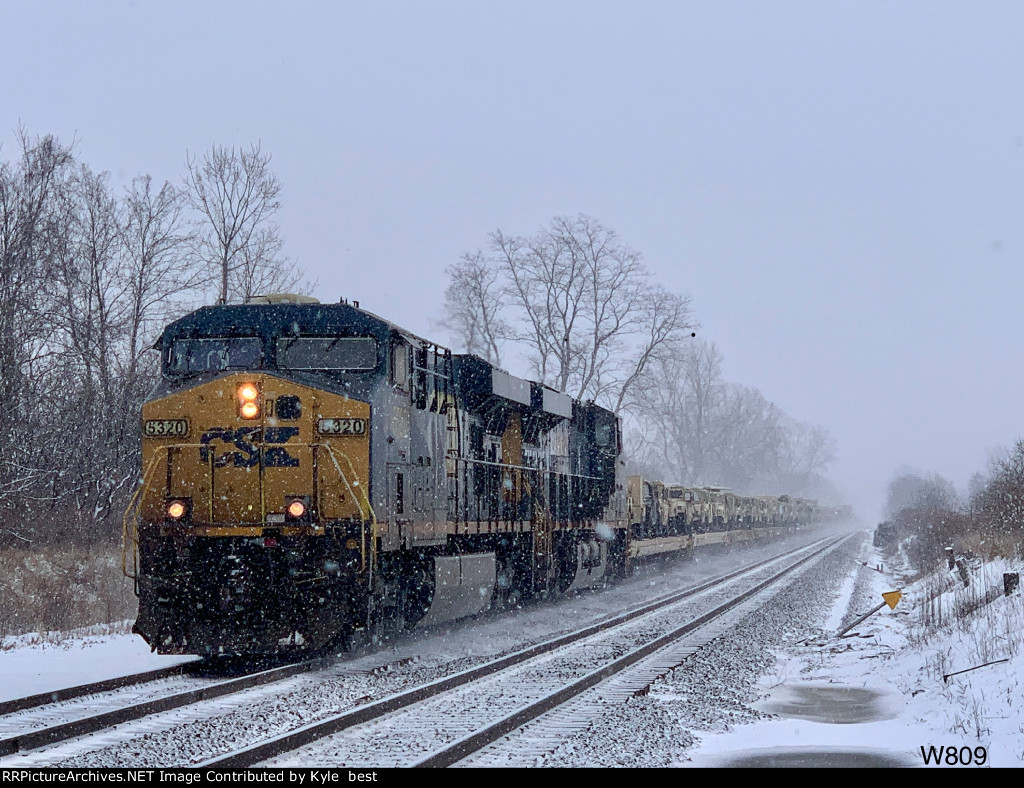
[312,471]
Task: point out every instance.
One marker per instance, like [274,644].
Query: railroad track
[92,688]
[29,723]
[31,728]
[442,723]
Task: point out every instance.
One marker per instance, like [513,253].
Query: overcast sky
[838,185]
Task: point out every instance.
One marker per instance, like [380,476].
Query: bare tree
[160,271]
[659,430]
[237,196]
[977,487]
[577,299]
[678,401]
[705,390]
[662,323]
[1000,503]
[473,306]
[809,449]
[89,291]
[32,191]
[691,426]
[546,287]
[927,516]
[750,441]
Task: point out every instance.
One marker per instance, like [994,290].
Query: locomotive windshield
[604,432]
[190,356]
[348,353]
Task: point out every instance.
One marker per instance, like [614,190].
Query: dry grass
[978,622]
[988,546]
[56,589]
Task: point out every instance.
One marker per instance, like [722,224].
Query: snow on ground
[29,667]
[900,657]
[713,689]
[30,664]
[879,693]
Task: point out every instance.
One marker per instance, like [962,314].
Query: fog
[838,187]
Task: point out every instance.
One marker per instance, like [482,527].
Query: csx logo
[248,454]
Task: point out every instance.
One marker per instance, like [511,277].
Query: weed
[52,590]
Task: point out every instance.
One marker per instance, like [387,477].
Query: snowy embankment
[780,682]
[30,665]
[905,656]
[783,689]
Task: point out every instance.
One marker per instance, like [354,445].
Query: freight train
[311,472]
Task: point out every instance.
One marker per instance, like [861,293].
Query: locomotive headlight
[178,509]
[296,508]
[248,401]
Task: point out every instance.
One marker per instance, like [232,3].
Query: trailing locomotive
[311,470]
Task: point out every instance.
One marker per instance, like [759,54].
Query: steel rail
[307,734]
[32,739]
[476,741]
[105,685]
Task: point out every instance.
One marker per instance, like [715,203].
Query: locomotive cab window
[419,362]
[604,433]
[342,353]
[400,364]
[191,356]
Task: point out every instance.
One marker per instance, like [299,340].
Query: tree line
[929,515]
[89,274]
[578,308]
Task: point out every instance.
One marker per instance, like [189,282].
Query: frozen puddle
[836,704]
[815,757]
[816,724]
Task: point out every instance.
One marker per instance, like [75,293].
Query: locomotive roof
[279,317]
[266,319]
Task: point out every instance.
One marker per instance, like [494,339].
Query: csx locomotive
[311,471]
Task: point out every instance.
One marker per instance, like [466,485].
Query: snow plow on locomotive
[310,471]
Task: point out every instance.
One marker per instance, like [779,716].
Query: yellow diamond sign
[892,598]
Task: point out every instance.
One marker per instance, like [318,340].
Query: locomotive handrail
[368,514]
[130,519]
[132,531]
